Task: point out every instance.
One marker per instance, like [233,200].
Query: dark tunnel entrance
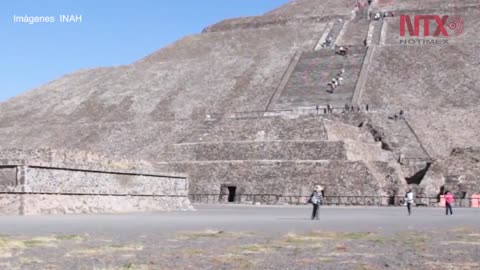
[231,193]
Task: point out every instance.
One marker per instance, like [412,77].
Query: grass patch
[255,249]
[321,236]
[365,267]
[33,243]
[313,261]
[30,260]
[454,266]
[234,261]
[193,251]
[294,238]
[10,247]
[126,266]
[211,234]
[132,266]
[105,250]
[413,239]
[379,241]
[41,242]
[463,229]
[356,235]
[461,243]
[69,237]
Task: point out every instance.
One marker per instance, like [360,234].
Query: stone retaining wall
[40,204]
[280,177]
[26,187]
[266,150]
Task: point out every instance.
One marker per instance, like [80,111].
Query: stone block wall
[260,129]
[8,176]
[284,178]
[266,150]
[457,173]
[337,131]
[31,186]
[367,151]
[39,204]
[54,180]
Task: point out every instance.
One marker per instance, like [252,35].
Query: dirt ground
[319,246]
[457,248]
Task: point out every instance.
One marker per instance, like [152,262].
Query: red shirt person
[448,203]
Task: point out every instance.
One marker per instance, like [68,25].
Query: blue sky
[111,32]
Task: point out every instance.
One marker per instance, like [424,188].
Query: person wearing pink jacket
[448,202]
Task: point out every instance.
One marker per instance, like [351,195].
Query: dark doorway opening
[442,192]
[391,200]
[231,193]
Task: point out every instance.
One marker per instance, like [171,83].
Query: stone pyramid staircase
[308,84]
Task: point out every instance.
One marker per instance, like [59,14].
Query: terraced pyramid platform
[244,105]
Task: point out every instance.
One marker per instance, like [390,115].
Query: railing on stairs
[284,79]
[417,138]
[362,77]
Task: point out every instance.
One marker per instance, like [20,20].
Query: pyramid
[246,106]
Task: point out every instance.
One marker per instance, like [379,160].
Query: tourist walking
[448,202]
[409,201]
[315,200]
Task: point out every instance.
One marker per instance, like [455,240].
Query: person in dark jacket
[315,200]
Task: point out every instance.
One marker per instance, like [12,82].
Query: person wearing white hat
[315,200]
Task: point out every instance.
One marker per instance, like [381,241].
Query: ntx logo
[442,23]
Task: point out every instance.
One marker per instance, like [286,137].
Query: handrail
[285,77]
[416,137]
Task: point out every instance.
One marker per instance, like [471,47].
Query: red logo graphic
[455,24]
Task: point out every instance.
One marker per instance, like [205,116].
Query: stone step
[261,129]
[255,150]
[352,50]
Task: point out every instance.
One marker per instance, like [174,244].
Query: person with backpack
[409,201]
[315,200]
[448,202]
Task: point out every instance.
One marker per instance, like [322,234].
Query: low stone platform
[33,182]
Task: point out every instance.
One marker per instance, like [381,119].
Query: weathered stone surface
[280,177]
[38,204]
[458,173]
[51,181]
[203,106]
[337,131]
[73,159]
[271,150]
[260,129]
[443,130]
[398,136]
[8,176]
[405,78]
